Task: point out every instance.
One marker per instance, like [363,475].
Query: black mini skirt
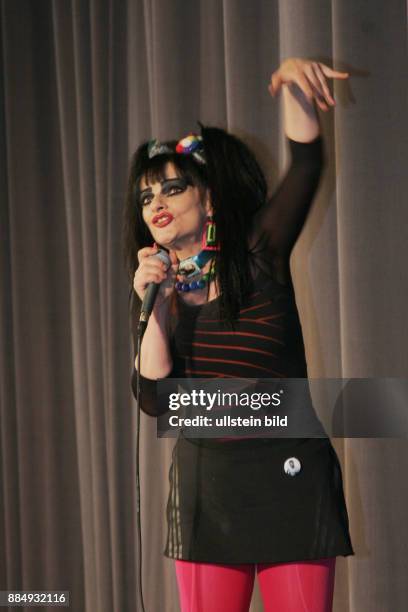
[256,501]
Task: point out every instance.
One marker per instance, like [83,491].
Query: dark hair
[237,189]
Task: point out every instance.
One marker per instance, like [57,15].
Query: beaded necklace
[196,284]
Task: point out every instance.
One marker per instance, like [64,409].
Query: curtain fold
[82,83]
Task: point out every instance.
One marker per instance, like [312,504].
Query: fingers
[149,265]
[327,71]
[314,73]
[154,277]
[301,80]
[275,83]
[146,252]
[153,266]
[153,270]
[148,275]
[324,88]
[320,86]
[310,77]
[173,258]
[319,91]
[150,269]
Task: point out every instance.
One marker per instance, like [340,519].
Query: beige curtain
[82,83]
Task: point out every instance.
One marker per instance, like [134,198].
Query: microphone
[150,295]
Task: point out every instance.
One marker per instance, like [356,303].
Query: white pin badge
[292,466]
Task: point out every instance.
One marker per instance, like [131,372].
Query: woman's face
[173,211]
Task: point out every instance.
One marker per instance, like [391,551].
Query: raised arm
[279,222]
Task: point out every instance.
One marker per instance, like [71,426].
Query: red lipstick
[162,219]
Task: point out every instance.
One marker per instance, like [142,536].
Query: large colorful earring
[209,239]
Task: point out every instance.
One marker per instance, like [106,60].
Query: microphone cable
[137,453]
[146,309]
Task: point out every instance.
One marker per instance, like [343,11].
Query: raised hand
[309,76]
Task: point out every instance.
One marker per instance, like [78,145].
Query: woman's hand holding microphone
[152,269]
[156,359]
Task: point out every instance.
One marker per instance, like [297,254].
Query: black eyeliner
[166,184]
[175,182]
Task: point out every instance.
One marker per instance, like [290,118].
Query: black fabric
[267,341]
[267,344]
[277,225]
[234,503]
[230,500]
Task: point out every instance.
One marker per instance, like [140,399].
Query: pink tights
[305,586]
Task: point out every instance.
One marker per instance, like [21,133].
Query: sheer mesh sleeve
[277,224]
[148,390]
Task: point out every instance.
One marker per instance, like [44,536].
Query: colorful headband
[189,145]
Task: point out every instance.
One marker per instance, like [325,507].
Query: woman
[236,507]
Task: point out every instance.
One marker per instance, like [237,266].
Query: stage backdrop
[82,83]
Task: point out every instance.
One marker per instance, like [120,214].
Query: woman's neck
[189,250]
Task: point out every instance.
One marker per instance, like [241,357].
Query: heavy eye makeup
[169,187]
